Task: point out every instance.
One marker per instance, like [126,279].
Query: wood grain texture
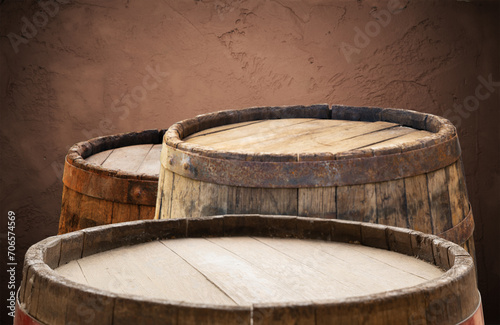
[247,270]
[417,204]
[301,135]
[357,203]
[319,202]
[439,201]
[457,204]
[391,203]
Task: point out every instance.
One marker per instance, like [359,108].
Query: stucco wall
[89,68]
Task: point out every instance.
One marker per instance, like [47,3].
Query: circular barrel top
[308,146]
[247,269]
[135,159]
[305,135]
[132,155]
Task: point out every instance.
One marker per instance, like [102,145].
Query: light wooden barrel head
[248,270]
[136,159]
[305,135]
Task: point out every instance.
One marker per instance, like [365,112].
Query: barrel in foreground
[388,166]
[247,288]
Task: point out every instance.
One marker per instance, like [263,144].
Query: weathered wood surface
[303,135]
[432,200]
[248,269]
[111,179]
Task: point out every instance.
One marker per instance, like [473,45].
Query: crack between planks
[202,274]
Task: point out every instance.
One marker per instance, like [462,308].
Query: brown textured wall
[100,67]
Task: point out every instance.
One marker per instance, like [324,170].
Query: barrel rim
[80,151]
[270,170]
[42,257]
[442,128]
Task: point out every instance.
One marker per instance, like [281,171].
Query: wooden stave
[54,251]
[100,190]
[444,131]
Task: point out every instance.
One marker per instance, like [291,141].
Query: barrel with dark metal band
[111,179]
[388,166]
[248,269]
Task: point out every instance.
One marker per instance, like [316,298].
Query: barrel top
[308,146]
[132,155]
[136,159]
[305,135]
[248,270]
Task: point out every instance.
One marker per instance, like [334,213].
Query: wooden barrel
[388,166]
[111,179]
[248,269]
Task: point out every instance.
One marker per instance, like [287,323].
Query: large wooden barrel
[111,179]
[388,166]
[248,269]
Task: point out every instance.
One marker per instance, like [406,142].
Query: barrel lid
[309,146]
[53,298]
[133,155]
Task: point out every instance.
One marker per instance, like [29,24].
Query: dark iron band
[310,173]
[117,189]
[461,232]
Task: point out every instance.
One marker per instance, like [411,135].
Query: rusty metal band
[21,317]
[310,173]
[477,317]
[110,188]
[461,232]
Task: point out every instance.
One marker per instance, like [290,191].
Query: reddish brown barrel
[248,269]
[388,166]
[110,179]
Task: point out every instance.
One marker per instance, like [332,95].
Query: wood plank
[357,202]
[439,201]
[146,212]
[165,195]
[374,133]
[355,267]
[124,212]
[99,158]
[405,137]
[185,198]
[319,202]
[70,211]
[254,132]
[94,212]
[298,136]
[391,203]
[243,199]
[417,204]
[221,128]
[278,201]
[127,159]
[334,142]
[213,199]
[72,271]
[457,204]
[151,164]
[150,270]
[160,195]
[281,266]
[262,200]
[239,279]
